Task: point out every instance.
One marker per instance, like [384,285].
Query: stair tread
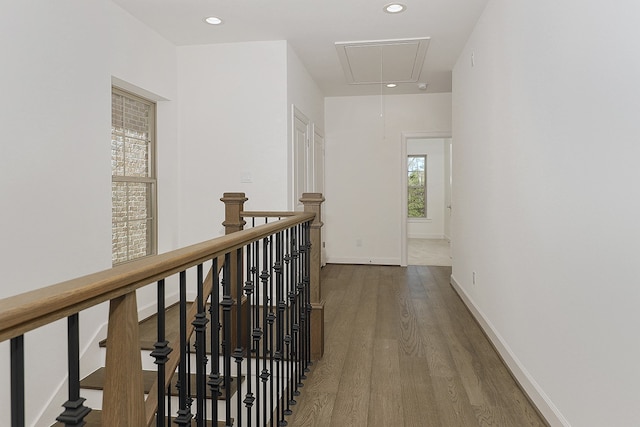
[95,381]
[94,419]
[148,332]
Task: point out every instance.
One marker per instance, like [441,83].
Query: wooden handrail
[25,312]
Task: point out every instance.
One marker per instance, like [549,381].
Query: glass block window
[417,186]
[133,188]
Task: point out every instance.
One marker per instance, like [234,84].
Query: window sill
[419,220]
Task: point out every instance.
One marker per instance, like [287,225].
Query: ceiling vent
[383,61]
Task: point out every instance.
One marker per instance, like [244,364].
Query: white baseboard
[425,236]
[527,383]
[363,261]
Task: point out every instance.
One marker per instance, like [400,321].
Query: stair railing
[295,311]
[263,299]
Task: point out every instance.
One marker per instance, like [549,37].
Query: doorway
[425,234]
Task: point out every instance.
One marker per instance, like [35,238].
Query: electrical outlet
[245,177]
[358,242]
[474,277]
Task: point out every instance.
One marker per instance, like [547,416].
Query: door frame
[318,149]
[405,136]
[301,164]
[317,137]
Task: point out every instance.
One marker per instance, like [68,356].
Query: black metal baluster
[75,411]
[238,352]
[161,354]
[287,337]
[257,329]
[205,358]
[17,381]
[200,324]
[271,317]
[301,308]
[281,304]
[296,312]
[307,230]
[304,302]
[184,408]
[189,388]
[227,303]
[303,305]
[264,277]
[249,291]
[169,393]
[214,310]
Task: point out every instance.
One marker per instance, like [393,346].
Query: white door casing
[318,159]
[302,167]
[318,177]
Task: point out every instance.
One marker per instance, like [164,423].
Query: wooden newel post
[233,222]
[233,205]
[312,203]
[123,396]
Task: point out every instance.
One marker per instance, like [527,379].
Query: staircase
[92,385]
[260,309]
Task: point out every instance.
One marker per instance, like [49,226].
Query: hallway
[429,252]
[401,349]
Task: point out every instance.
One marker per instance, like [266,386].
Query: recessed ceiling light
[394,8]
[391,85]
[213,20]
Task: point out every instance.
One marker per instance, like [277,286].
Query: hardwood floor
[401,349]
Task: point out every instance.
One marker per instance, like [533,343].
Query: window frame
[152,219]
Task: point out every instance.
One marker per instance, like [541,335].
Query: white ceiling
[312,27]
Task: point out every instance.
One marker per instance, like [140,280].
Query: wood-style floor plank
[352,400]
[385,382]
[326,373]
[417,397]
[401,349]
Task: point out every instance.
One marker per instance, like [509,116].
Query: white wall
[58,59]
[232,122]
[304,93]
[545,192]
[302,90]
[364,171]
[55,186]
[431,227]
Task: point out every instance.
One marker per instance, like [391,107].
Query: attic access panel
[383,61]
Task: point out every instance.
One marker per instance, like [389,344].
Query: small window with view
[417,186]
